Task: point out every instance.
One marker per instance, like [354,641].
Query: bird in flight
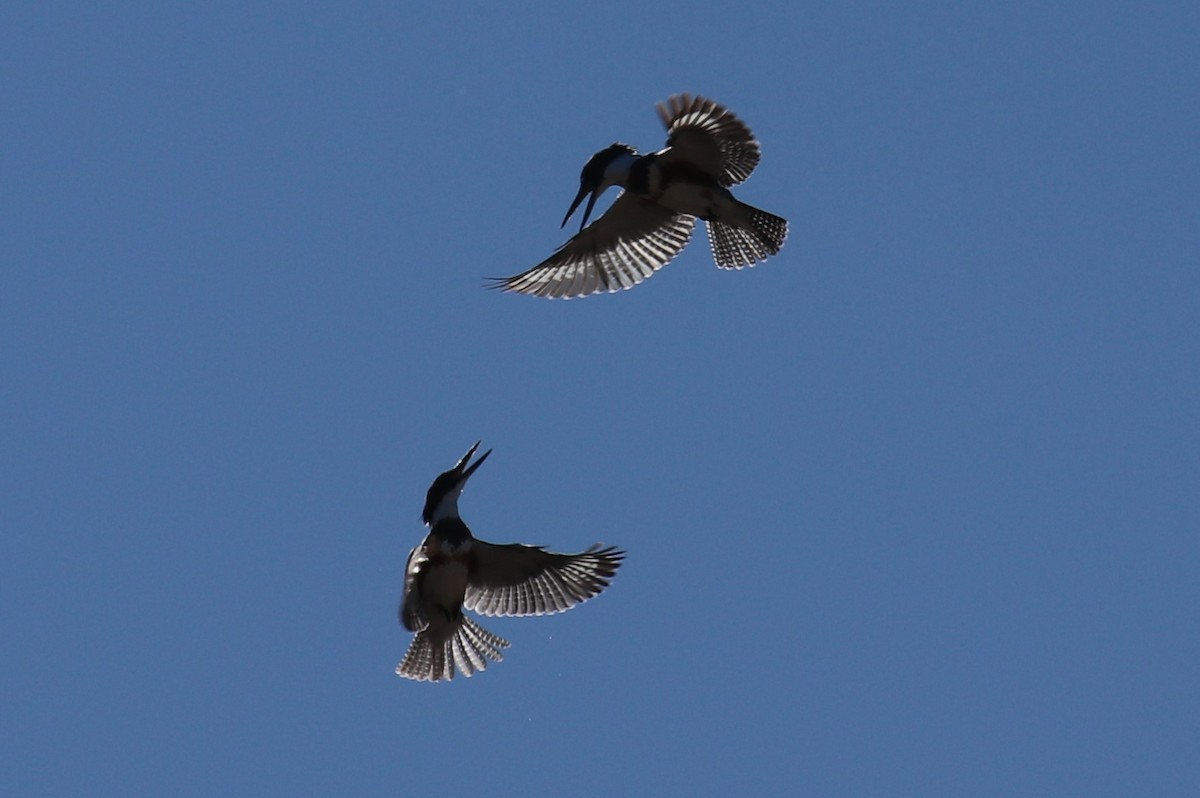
[452,570]
[708,150]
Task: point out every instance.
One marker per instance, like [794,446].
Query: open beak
[463,470]
[451,482]
[583,192]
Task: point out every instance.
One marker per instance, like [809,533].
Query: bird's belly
[443,588]
[706,202]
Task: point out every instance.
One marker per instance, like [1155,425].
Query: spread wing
[705,134]
[631,241]
[528,580]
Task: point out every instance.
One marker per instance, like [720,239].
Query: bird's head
[442,499]
[604,169]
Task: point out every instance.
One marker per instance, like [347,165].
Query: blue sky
[911,509]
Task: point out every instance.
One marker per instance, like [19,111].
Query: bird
[452,570]
[708,150]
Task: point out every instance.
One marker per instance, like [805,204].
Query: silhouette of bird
[452,570]
[708,149]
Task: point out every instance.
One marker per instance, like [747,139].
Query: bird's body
[664,192]
[452,570]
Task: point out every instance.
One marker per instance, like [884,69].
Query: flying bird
[708,150]
[452,570]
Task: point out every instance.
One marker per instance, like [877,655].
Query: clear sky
[911,508]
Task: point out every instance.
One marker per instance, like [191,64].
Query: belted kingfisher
[453,570]
[708,149]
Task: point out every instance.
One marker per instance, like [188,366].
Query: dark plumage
[452,570]
[708,150]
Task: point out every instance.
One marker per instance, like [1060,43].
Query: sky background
[911,508]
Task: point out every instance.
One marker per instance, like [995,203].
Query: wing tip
[553,290]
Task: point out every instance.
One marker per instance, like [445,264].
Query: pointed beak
[583,192]
[451,482]
[463,470]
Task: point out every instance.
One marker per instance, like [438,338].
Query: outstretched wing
[528,580]
[708,135]
[631,241]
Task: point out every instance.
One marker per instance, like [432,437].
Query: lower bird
[452,570]
[708,150]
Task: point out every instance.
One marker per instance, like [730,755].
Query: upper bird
[452,569]
[708,149]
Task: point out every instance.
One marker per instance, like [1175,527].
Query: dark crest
[594,169]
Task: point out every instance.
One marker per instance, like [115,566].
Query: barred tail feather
[467,650]
[425,661]
[474,646]
[761,236]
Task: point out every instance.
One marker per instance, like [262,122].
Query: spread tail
[757,236]
[467,650]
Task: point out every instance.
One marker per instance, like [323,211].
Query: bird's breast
[681,186]
[702,200]
[447,547]
[444,585]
